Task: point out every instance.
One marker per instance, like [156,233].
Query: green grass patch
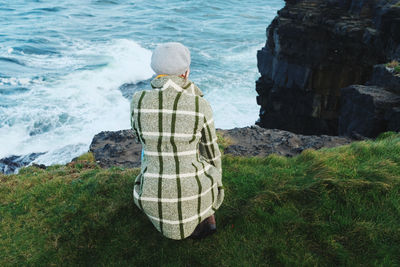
[397,69]
[223,141]
[394,64]
[89,157]
[338,206]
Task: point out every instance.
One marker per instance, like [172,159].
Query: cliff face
[316,47]
[371,109]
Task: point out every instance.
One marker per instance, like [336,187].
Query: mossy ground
[337,206]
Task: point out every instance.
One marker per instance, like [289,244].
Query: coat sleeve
[132,109]
[208,145]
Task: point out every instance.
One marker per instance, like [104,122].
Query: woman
[179,187]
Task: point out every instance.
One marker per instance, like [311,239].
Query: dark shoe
[211,229]
[203,230]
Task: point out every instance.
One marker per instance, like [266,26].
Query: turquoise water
[69,68]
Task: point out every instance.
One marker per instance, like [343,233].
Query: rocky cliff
[314,49]
[371,109]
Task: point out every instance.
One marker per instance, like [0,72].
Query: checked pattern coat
[180,180]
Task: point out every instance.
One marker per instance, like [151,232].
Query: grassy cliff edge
[326,207]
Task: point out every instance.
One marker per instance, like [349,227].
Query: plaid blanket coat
[180,180]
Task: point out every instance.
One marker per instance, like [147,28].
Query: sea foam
[64,65]
[60,117]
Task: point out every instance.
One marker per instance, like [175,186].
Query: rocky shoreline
[323,74]
[11,164]
[120,148]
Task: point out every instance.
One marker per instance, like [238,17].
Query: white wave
[233,101]
[20,81]
[233,95]
[61,117]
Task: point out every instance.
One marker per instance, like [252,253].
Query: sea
[68,69]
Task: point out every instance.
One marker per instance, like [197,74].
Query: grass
[224,141]
[394,64]
[337,206]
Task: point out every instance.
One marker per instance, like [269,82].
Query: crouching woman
[179,187]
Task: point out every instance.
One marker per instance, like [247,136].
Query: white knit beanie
[170,58]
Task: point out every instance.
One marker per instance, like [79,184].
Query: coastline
[300,90]
[292,199]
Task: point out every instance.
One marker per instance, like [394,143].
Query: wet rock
[129,89]
[12,164]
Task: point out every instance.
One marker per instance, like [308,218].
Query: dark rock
[368,111]
[316,47]
[129,89]
[387,21]
[12,164]
[40,166]
[393,118]
[118,148]
[257,141]
[385,77]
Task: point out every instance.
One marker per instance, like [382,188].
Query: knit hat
[170,58]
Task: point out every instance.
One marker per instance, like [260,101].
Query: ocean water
[69,68]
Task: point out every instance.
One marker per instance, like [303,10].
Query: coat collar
[158,83]
[177,82]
